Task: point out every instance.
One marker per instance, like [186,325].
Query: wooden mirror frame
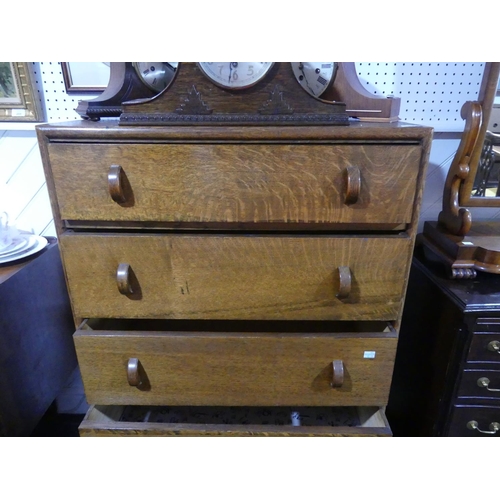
[486,98]
[460,179]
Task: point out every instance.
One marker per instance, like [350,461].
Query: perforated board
[431,93]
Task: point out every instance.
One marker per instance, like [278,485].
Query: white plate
[19,243]
[36,243]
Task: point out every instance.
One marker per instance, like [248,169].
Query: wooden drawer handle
[338,373]
[136,376]
[133,373]
[474,426]
[345,281]
[124,278]
[352,183]
[494,346]
[485,382]
[116,178]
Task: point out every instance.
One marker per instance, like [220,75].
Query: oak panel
[236,277]
[231,183]
[234,368]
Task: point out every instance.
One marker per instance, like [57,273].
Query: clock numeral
[250,70]
[321,80]
[145,72]
[326,65]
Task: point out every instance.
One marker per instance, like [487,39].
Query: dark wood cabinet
[447,371]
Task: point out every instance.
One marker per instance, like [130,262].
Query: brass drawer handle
[338,373]
[123,279]
[345,281]
[474,426]
[136,376]
[494,346]
[116,178]
[485,382]
[352,184]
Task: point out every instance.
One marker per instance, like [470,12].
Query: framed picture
[83,77]
[19,101]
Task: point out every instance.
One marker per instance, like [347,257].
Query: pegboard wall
[431,93]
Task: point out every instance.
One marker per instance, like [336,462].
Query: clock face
[235,75]
[314,77]
[155,75]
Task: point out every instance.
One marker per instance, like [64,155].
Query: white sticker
[18,112]
[369,355]
[467,243]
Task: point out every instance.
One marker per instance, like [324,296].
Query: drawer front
[479,384]
[234,368]
[201,183]
[139,421]
[485,347]
[474,421]
[235,277]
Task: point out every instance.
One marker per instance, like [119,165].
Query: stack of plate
[23,245]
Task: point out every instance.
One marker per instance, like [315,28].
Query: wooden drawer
[484,347]
[226,368]
[236,277]
[224,183]
[479,384]
[121,421]
[474,421]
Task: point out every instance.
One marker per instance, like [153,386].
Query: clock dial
[235,75]
[315,77]
[155,75]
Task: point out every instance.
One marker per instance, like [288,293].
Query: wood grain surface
[235,183]
[224,369]
[236,277]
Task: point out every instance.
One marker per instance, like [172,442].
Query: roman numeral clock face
[315,77]
[155,75]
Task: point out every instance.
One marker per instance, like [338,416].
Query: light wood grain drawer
[118,421]
[224,368]
[235,277]
[240,183]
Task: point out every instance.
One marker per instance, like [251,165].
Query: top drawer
[236,183]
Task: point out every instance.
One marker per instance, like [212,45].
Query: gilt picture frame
[19,100]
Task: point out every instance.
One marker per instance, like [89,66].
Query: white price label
[369,355]
[18,112]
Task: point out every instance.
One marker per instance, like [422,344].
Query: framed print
[82,77]
[19,101]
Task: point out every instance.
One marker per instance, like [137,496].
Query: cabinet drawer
[253,183]
[479,384]
[484,347]
[146,367]
[244,422]
[235,277]
[474,421]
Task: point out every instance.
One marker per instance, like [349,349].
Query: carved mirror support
[463,246]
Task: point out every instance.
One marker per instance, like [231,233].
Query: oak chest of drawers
[236,267]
